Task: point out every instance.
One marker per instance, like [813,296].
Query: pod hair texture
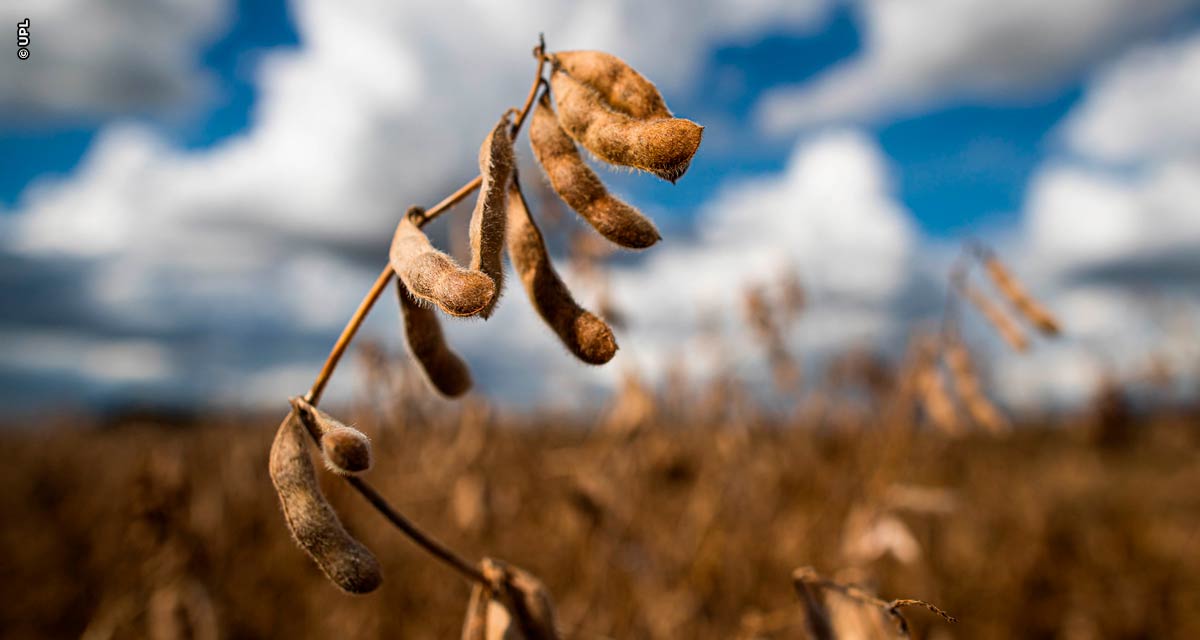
[580,187]
[346,450]
[582,332]
[444,369]
[310,518]
[663,147]
[617,83]
[488,220]
[432,275]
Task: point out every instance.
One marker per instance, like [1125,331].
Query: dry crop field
[680,527]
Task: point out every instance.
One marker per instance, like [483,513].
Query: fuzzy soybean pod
[432,275]
[935,399]
[346,450]
[995,316]
[619,85]
[488,220]
[1019,297]
[966,385]
[580,187]
[444,369]
[526,599]
[312,521]
[475,624]
[584,334]
[663,147]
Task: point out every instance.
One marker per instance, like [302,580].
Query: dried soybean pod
[475,625]
[444,369]
[996,317]
[935,399]
[966,385]
[526,598]
[663,147]
[580,187]
[1019,297]
[584,334]
[432,275]
[312,521]
[618,84]
[816,616]
[347,451]
[488,220]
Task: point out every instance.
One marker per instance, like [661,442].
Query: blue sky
[967,124]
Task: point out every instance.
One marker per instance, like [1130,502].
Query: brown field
[667,526]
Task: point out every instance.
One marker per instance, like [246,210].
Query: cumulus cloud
[922,53]
[1141,107]
[111,57]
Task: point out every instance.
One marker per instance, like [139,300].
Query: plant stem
[435,548]
[314,394]
[406,526]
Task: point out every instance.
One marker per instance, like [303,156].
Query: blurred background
[195,194]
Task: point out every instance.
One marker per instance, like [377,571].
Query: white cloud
[1142,107]
[921,53]
[1085,217]
[93,58]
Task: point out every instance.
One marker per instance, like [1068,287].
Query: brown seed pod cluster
[312,521]
[346,450]
[616,114]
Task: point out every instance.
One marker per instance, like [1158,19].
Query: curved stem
[423,540]
[314,394]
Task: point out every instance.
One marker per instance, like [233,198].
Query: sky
[194,194]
